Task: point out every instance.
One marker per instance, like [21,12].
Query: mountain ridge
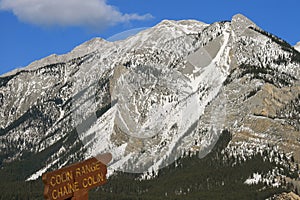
[82,49]
[201,79]
[297,46]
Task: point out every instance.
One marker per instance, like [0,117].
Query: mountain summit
[156,97]
[297,46]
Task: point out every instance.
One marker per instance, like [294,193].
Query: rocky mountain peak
[240,24]
[150,99]
[297,46]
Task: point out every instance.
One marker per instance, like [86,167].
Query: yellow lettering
[59,192]
[76,186]
[93,180]
[84,183]
[97,166]
[88,168]
[82,170]
[78,172]
[90,181]
[58,179]
[54,194]
[69,175]
[63,177]
[66,192]
[52,181]
[66,176]
[100,177]
[72,187]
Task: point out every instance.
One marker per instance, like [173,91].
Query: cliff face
[149,99]
[297,46]
[287,196]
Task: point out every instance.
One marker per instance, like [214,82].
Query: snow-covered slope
[297,46]
[151,98]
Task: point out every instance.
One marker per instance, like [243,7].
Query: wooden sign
[74,181]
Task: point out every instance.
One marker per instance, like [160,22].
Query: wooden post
[81,195]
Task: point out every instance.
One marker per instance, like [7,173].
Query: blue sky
[33,29]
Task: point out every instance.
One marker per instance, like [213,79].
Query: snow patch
[297,46]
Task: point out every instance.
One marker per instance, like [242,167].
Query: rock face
[297,46]
[150,98]
[287,196]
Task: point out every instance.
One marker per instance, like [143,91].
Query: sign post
[73,182]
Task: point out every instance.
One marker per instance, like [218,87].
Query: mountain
[286,196]
[297,46]
[160,97]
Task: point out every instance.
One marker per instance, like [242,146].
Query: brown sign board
[75,179]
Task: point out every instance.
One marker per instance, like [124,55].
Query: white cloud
[91,13]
